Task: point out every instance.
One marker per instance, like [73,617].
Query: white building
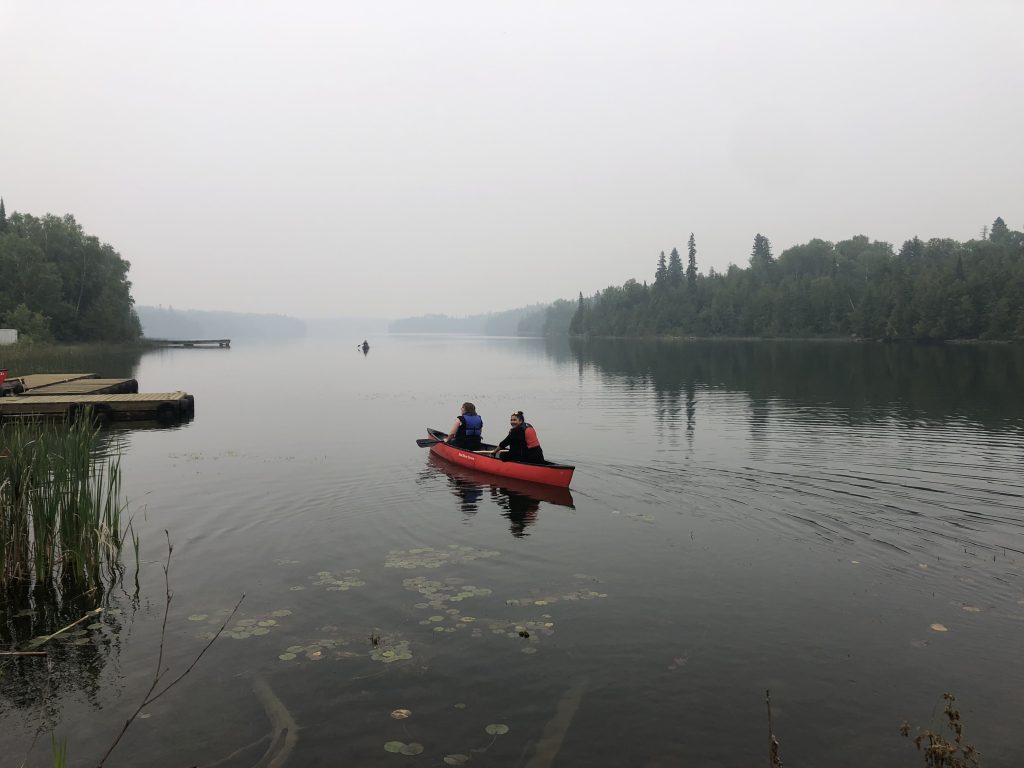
[8,336]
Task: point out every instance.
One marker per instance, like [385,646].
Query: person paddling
[468,429]
[521,442]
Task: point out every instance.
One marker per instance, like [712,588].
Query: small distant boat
[548,473]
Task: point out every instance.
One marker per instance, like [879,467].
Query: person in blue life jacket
[468,429]
[521,442]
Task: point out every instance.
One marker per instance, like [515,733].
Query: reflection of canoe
[548,493]
[547,473]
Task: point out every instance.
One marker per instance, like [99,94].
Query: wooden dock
[85,387]
[222,343]
[165,407]
[69,396]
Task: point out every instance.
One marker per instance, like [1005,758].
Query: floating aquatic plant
[428,557]
[400,747]
[339,583]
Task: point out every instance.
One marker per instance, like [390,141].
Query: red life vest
[531,436]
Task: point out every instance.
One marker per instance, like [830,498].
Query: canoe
[548,473]
[464,476]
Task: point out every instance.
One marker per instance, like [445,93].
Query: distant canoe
[548,473]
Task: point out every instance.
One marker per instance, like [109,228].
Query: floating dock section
[71,396]
[222,343]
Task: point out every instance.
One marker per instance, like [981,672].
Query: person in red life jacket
[467,430]
[521,442]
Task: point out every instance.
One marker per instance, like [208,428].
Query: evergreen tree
[999,230]
[3,217]
[675,268]
[691,263]
[761,255]
[578,324]
[661,273]
[912,251]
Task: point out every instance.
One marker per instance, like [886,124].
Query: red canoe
[548,473]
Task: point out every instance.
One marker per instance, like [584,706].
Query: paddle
[426,442]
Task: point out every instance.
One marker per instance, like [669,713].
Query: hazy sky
[395,158]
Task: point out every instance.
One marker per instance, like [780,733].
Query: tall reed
[60,504]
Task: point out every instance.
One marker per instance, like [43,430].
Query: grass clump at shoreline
[114,360]
[60,505]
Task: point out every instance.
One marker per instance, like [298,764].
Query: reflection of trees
[75,660]
[866,381]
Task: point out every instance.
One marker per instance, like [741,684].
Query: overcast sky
[395,158]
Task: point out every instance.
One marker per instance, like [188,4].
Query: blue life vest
[472,424]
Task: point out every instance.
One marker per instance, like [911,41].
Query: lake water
[799,517]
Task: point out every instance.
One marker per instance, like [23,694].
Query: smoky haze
[395,158]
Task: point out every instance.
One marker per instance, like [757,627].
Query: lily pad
[199,617]
[394,746]
[456,759]
[286,656]
[411,748]
[401,714]
[496,729]
[938,628]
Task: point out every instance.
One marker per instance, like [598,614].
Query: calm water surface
[744,516]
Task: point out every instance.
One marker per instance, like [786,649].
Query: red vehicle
[548,473]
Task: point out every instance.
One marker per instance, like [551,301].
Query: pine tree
[661,273]
[691,264]
[3,216]
[999,230]
[675,268]
[761,255]
[578,324]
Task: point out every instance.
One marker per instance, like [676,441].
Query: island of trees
[939,289]
[58,283]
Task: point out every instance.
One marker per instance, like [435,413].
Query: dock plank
[84,387]
[34,380]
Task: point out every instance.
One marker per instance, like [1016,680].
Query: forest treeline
[59,283]
[170,323]
[507,323]
[939,289]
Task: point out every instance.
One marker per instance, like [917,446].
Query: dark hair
[469,407]
[519,415]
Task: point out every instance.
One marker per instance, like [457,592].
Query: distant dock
[222,343]
[67,396]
